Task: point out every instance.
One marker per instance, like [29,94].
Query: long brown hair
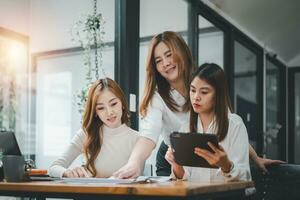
[182,56]
[214,76]
[91,122]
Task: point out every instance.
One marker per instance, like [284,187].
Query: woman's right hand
[170,157]
[130,170]
[177,169]
[77,172]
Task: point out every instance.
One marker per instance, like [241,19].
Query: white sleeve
[151,124]
[186,175]
[75,148]
[238,153]
[185,128]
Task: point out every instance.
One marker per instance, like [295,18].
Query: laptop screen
[9,144]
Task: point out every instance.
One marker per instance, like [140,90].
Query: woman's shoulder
[235,119]
[132,135]
[156,96]
[130,130]
[236,128]
[157,100]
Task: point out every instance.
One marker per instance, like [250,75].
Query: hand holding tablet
[184,145]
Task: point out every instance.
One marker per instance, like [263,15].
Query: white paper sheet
[140,179]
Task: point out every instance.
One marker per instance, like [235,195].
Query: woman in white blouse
[105,138]
[211,113]
[165,105]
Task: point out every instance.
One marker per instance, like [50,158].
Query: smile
[170,70]
[112,119]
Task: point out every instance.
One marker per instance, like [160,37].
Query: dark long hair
[182,56]
[214,76]
[92,123]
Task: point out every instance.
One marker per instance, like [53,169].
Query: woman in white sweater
[211,113]
[105,138]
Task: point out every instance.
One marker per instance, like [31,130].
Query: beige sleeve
[75,148]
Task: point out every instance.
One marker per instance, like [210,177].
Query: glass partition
[274,137]
[297,118]
[245,88]
[211,43]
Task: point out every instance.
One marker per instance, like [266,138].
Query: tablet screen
[184,145]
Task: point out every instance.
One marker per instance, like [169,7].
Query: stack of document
[140,179]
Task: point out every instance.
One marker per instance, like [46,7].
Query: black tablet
[184,145]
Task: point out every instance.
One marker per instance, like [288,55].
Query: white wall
[295,62]
[157,16]
[14,15]
[51,21]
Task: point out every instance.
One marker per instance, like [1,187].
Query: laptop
[9,144]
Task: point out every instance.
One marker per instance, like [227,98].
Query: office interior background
[42,69]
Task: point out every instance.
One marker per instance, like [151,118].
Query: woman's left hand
[216,158]
[263,163]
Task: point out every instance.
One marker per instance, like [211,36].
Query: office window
[275,134]
[14,86]
[245,88]
[59,78]
[294,115]
[211,43]
[60,75]
[297,119]
[272,111]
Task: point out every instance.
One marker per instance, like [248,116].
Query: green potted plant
[88,31]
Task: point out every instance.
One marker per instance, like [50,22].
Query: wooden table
[167,190]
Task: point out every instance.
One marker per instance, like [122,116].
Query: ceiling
[274,23]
